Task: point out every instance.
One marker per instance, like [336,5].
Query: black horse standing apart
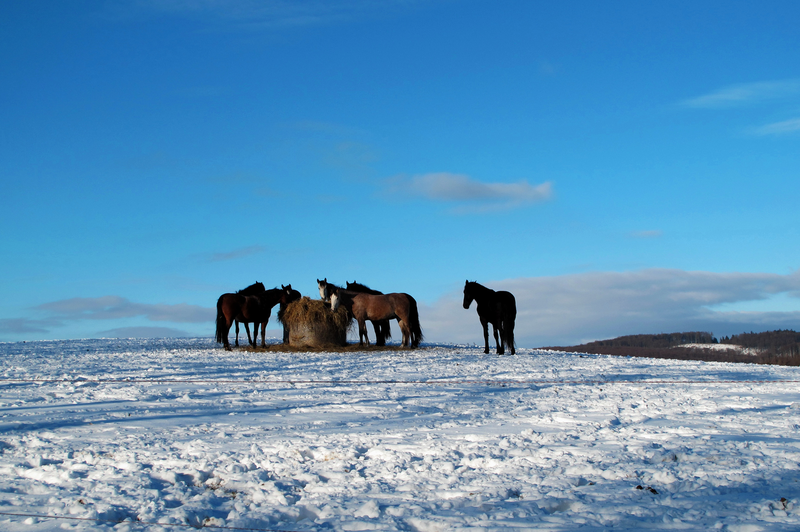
[497,308]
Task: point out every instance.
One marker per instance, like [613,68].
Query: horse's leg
[485,325]
[509,328]
[378,335]
[237,332]
[255,333]
[226,343]
[406,331]
[263,332]
[498,342]
[362,331]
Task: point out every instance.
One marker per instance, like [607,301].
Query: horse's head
[468,293]
[323,289]
[288,294]
[334,295]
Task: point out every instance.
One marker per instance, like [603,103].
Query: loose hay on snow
[312,323]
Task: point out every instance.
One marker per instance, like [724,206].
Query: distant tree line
[776,341]
[657,340]
[772,347]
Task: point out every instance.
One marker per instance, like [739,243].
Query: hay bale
[312,323]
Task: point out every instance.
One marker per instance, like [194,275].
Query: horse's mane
[478,286]
[253,289]
[358,287]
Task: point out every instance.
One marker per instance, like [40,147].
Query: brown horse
[371,307]
[383,330]
[254,309]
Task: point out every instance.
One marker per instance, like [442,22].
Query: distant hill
[772,347]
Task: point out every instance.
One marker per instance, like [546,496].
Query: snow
[724,347]
[149,434]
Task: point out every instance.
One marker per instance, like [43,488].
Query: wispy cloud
[459,188]
[116,307]
[571,309]
[259,13]
[779,128]
[26,325]
[654,233]
[744,93]
[236,253]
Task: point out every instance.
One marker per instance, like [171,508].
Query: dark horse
[294,295]
[371,307]
[254,289]
[383,330]
[254,309]
[497,308]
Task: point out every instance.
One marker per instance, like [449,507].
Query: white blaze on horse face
[323,291]
[334,301]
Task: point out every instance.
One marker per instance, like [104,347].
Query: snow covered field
[180,432]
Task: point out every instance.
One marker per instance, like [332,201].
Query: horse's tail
[221,322]
[414,326]
[386,330]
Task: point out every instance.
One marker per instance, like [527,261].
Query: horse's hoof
[486,351]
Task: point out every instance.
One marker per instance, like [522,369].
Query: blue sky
[623,168]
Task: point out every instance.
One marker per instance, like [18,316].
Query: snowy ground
[725,347]
[180,432]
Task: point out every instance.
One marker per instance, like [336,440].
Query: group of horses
[363,303]
[251,305]
[254,305]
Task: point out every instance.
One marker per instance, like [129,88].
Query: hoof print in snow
[648,488]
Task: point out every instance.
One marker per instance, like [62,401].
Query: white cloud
[779,128]
[571,309]
[480,196]
[745,93]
